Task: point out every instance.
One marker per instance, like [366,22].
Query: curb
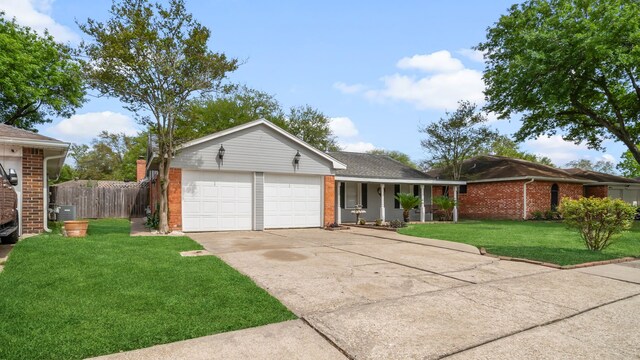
[484,252]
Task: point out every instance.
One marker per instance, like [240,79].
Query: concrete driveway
[367,294]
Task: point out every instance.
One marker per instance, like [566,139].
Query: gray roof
[601,177]
[8,131]
[375,166]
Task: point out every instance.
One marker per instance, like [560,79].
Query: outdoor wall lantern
[296,158]
[221,152]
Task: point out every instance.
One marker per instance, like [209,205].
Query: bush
[597,220]
[362,221]
[396,224]
[445,205]
[378,222]
[537,215]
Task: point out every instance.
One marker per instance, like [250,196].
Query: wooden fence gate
[98,202]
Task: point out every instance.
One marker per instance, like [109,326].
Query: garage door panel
[216,201]
[292,201]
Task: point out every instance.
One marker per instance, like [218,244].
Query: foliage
[362,221]
[38,77]
[312,126]
[629,166]
[407,202]
[504,146]
[110,292]
[112,156]
[597,219]
[378,222]
[446,205]
[396,155]
[396,224]
[66,173]
[602,166]
[154,59]
[567,66]
[548,241]
[152,219]
[537,215]
[457,137]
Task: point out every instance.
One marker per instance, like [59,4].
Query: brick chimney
[141,169]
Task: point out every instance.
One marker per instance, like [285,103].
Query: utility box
[66,212]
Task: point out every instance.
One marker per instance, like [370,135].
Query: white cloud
[475,55]
[84,127]
[343,127]
[36,14]
[437,62]
[359,146]
[349,89]
[609,158]
[557,149]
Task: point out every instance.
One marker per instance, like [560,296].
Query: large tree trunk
[163,177]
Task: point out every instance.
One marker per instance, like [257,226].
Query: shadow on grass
[558,256]
[108,227]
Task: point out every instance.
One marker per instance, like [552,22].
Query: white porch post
[382,202]
[338,209]
[422,215]
[455,208]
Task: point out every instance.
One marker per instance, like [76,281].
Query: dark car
[9,223]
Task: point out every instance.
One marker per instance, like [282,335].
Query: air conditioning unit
[66,212]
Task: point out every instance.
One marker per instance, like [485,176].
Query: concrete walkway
[378,296]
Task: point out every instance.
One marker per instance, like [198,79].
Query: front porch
[376,198]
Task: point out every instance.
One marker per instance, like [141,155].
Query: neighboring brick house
[504,188]
[35,158]
[607,185]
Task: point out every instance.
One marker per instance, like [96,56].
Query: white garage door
[292,201]
[216,201]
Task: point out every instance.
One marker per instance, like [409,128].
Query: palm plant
[407,202]
[445,205]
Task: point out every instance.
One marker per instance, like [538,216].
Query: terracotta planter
[76,228]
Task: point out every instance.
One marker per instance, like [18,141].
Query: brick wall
[32,191]
[329,200]
[600,191]
[141,169]
[504,200]
[175,199]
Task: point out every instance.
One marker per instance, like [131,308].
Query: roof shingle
[375,166]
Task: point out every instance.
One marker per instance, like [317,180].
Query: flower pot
[76,228]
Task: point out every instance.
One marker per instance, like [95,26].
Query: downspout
[524,199]
[45,190]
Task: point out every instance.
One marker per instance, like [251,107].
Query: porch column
[455,207]
[422,215]
[382,202]
[338,201]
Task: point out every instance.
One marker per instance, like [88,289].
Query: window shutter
[396,191]
[416,192]
[342,200]
[364,196]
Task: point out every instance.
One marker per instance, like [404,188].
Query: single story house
[607,185]
[498,187]
[36,159]
[371,182]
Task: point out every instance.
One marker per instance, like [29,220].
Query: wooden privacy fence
[102,199]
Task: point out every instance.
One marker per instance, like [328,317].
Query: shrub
[407,202]
[551,215]
[537,215]
[597,220]
[378,222]
[396,224]
[445,205]
[362,221]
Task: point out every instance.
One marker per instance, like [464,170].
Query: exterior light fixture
[221,152]
[296,158]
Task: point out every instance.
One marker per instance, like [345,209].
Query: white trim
[539,178]
[400,181]
[40,144]
[627,185]
[335,163]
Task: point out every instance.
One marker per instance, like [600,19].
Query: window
[416,192]
[554,197]
[396,191]
[445,191]
[351,195]
[363,194]
[463,189]
[342,195]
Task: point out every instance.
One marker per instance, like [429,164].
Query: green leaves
[38,77]
[567,66]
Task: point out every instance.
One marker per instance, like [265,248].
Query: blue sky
[379,69]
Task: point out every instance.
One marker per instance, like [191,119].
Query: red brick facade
[141,169]
[32,191]
[600,191]
[329,199]
[175,199]
[504,200]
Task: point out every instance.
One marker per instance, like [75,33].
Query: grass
[65,298]
[536,240]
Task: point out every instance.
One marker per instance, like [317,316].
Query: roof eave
[399,180]
[539,178]
[45,144]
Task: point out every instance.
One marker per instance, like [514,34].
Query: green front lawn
[536,240]
[73,298]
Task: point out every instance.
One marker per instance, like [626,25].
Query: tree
[629,166]
[311,126]
[241,105]
[66,173]
[107,157]
[38,77]
[407,202]
[155,59]
[504,146]
[567,66]
[457,137]
[396,155]
[602,166]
